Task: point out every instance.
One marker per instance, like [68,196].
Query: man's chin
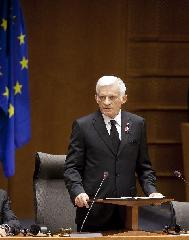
[108,113]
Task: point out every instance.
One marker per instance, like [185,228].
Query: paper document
[85,235]
[133,198]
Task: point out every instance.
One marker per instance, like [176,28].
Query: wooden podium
[131,207]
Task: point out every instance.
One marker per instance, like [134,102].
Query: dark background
[74,42]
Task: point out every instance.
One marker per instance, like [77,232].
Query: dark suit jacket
[6,214]
[91,153]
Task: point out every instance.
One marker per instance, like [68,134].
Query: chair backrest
[181,212]
[53,207]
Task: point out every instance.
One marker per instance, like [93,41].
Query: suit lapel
[125,129]
[100,127]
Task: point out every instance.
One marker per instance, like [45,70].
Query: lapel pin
[127,127]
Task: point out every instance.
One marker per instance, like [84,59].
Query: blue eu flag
[14,92]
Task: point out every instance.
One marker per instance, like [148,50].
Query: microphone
[10,230]
[36,230]
[93,201]
[179,175]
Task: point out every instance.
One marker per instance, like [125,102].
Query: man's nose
[107,100]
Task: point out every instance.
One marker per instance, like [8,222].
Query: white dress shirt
[118,123]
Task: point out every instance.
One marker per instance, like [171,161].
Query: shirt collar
[117,118]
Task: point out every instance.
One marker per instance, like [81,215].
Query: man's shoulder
[87,118]
[133,116]
[90,117]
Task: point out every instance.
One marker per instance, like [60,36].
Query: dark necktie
[114,135]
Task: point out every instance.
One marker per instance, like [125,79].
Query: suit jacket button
[117,174]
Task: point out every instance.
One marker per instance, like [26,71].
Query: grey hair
[109,81]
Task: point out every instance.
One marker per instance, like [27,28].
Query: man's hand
[2,232]
[81,200]
[156,195]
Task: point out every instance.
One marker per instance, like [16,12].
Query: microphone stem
[93,201]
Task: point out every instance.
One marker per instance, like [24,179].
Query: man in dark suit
[100,145]
[9,224]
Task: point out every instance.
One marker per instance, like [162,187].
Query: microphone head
[177,174]
[34,229]
[105,175]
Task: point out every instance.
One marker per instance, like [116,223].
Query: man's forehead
[109,88]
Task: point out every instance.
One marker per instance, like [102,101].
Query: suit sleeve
[74,164]
[144,169]
[8,215]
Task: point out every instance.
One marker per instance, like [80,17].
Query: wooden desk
[132,205]
[114,236]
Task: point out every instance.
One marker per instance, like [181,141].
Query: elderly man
[9,224]
[113,141]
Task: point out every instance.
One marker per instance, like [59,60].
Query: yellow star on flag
[24,63]
[11,110]
[21,38]
[6,93]
[17,88]
[4,24]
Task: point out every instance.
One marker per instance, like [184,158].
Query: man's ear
[124,99]
[96,98]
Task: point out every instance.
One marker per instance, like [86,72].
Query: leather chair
[181,213]
[53,207]
[157,218]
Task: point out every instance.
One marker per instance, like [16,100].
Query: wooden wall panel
[154,58]
[166,158]
[173,18]
[158,80]
[158,20]
[141,13]
[142,59]
[154,92]
[169,187]
[164,126]
[172,188]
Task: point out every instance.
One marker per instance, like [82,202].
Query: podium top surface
[134,201]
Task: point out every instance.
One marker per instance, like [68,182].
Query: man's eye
[113,98]
[102,98]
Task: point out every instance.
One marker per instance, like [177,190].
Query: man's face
[109,100]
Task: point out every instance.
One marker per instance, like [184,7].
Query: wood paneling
[166,158]
[158,20]
[169,187]
[142,19]
[158,80]
[155,93]
[164,125]
[155,58]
